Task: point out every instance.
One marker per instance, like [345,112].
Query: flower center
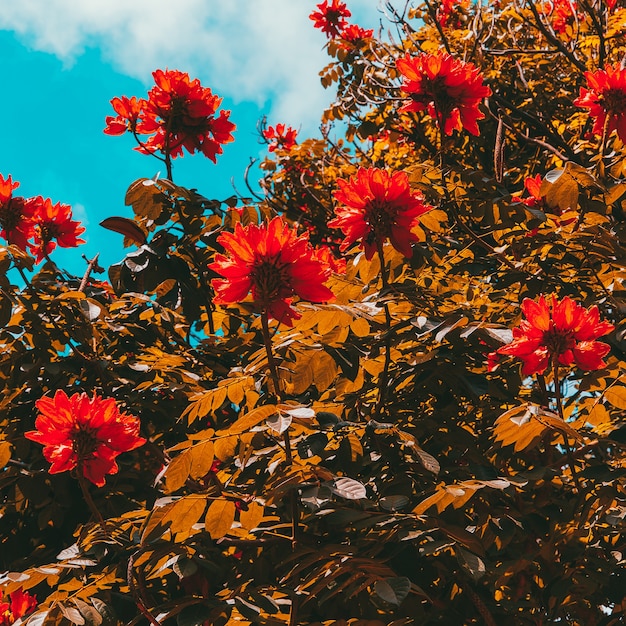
[558,341]
[84,443]
[614,101]
[380,218]
[49,231]
[269,282]
[11,214]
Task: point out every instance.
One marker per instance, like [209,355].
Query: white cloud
[254,50]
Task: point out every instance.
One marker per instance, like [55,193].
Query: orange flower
[562,14]
[16,215]
[19,604]
[450,90]
[128,113]
[84,433]
[280,137]
[376,206]
[558,331]
[273,263]
[450,12]
[354,33]
[181,113]
[330,18]
[53,222]
[606,100]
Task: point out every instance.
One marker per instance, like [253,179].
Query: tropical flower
[558,331]
[272,263]
[84,433]
[16,215]
[450,11]
[536,201]
[354,33]
[53,224]
[330,18]
[280,137]
[18,604]
[449,89]
[375,206]
[606,100]
[562,14]
[128,113]
[178,113]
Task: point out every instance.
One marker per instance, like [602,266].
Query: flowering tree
[388,390]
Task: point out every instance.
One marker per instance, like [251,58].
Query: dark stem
[559,407]
[90,266]
[130,577]
[383,381]
[88,499]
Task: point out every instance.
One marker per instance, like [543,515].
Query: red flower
[606,100]
[376,206]
[84,433]
[561,14]
[280,137]
[128,113]
[19,604]
[536,201]
[273,263]
[354,33]
[53,222]
[179,113]
[449,12]
[558,331]
[450,90]
[330,18]
[16,215]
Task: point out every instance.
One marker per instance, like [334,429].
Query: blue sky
[63,61]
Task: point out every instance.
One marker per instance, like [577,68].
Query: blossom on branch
[330,18]
[450,90]
[84,433]
[280,137]
[16,215]
[605,98]
[16,605]
[178,114]
[375,206]
[354,33]
[558,331]
[273,263]
[53,224]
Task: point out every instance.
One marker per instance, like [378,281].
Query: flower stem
[88,499]
[559,407]
[383,381]
[267,340]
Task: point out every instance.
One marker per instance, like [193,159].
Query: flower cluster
[16,605]
[605,98]
[353,33]
[280,137]
[449,12]
[273,263]
[562,14]
[375,206]
[450,90]
[558,332]
[331,18]
[84,433]
[178,114]
[36,224]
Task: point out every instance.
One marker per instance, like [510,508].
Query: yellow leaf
[616,395]
[254,417]
[360,327]
[5,453]
[253,516]
[177,472]
[219,518]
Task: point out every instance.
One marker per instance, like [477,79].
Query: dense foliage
[390,390]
